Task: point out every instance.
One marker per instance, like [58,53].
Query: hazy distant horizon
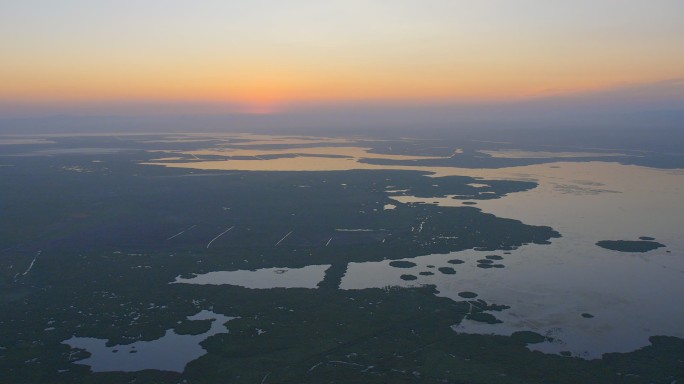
[437,62]
[645,107]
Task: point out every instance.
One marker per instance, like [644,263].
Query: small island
[402,264]
[630,245]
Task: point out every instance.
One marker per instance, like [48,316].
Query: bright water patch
[266,278]
[168,353]
[550,287]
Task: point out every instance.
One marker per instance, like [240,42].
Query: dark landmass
[483,317]
[489,265]
[528,337]
[629,245]
[402,264]
[91,239]
[468,295]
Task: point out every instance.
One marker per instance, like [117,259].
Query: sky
[274,56]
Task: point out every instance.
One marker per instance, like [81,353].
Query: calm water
[548,287]
[307,277]
[169,353]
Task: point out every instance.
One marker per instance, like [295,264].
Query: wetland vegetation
[91,242]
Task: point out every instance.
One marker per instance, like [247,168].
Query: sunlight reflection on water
[548,287]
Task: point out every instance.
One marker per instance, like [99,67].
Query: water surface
[168,353]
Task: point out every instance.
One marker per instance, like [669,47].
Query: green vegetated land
[89,249]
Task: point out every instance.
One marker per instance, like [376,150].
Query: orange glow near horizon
[271,93]
[267,82]
[261,58]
